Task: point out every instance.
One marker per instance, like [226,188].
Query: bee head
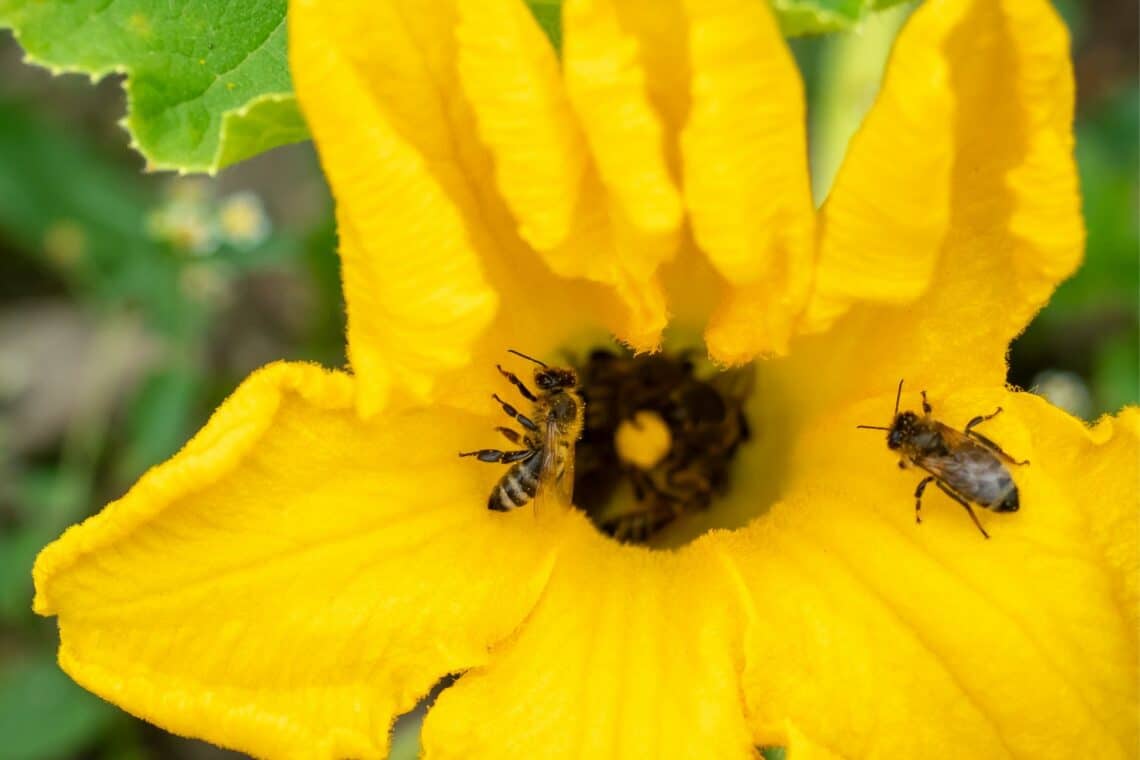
[902,429]
[555,378]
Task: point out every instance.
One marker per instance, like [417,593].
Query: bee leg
[926,407]
[526,392]
[635,479]
[969,430]
[995,448]
[502,457]
[639,525]
[512,436]
[518,456]
[525,421]
[982,418]
[918,498]
[950,492]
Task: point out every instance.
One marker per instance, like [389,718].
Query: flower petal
[881,239]
[957,205]
[428,245]
[630,214]
[510,73]
[409,267]
[876,637]
[606,83]
[294,578]
[543,166]
[629,654]
[746,179]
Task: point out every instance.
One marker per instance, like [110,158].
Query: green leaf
[266,122]
[44,714]
[799,17]
[548,13]
[817,16]
[207,81]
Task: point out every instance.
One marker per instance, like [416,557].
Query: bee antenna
[898,395]
[872,427]
[529,358]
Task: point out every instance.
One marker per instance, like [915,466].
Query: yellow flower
[317,557]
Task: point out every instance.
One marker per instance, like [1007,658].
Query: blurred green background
[132,303]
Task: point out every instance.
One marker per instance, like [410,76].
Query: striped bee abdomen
[518,486]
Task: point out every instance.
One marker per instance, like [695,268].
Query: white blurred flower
[242,220]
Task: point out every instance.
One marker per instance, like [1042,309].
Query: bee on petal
[543,468]
[966,465]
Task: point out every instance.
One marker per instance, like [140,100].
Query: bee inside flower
[648,419]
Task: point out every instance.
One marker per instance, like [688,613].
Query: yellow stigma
[643,441]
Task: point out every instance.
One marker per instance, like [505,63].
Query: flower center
[658,441]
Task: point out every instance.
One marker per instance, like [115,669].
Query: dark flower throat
[706,423]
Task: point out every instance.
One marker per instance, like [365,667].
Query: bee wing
[556,476]
[954,439]
[941,467]
[970,469]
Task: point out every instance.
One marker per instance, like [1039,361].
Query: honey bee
[544,467]
[967,466]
